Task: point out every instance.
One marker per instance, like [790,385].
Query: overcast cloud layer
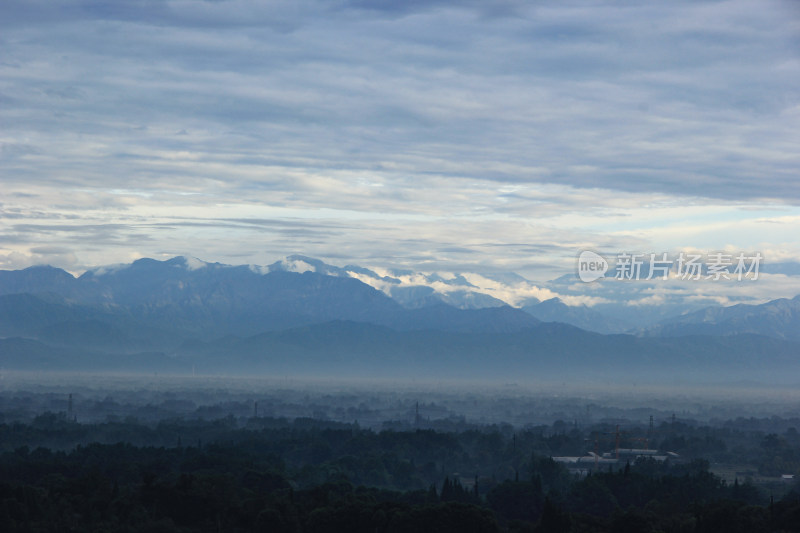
[464,136]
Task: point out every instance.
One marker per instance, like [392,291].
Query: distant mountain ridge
[210,299]
[779,319]
[188,293]
[555,310]
[301,315]
[461,293]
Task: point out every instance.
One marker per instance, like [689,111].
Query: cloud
[530,99]
[61,259]
[50,250]
[433,135]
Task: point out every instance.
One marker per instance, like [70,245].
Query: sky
[434,136]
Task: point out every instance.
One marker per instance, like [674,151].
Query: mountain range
[300,315]
[777,318]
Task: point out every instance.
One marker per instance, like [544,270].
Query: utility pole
[70,415]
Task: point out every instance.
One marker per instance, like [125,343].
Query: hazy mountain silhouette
[299,316]
[194,298]
[777,318]
[554,310]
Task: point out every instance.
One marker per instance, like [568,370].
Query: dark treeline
[770,446]
[267,474]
